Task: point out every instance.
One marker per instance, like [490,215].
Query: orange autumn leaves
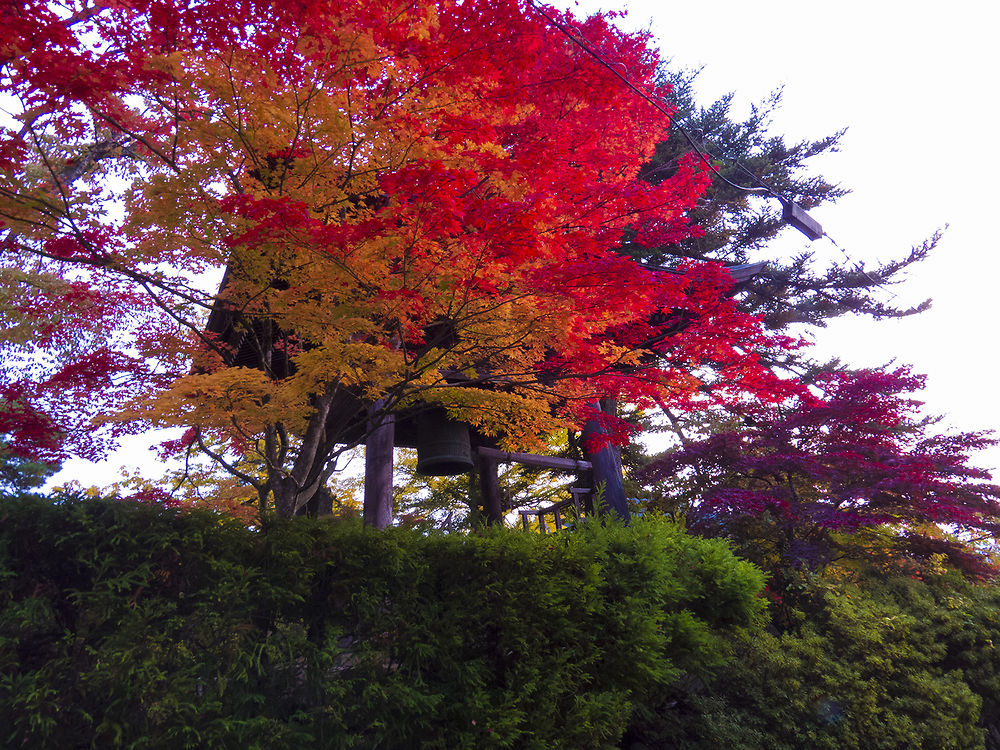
[368,173]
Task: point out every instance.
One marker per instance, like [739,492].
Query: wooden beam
[534,459]
[607,462]
[555,509]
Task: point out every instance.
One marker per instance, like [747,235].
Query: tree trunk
[378,467]
[294,489]
[607,463]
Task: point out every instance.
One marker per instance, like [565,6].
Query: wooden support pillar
[378,467]
[607,463]
[489,489]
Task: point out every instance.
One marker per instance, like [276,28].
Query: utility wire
[576,36]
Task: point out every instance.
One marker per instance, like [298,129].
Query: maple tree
[402,221]
[738,226]
[856,474]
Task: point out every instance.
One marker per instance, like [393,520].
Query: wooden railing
[559,509]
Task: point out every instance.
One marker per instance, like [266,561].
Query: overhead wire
[576,36]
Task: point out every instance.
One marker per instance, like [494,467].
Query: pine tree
[737,226]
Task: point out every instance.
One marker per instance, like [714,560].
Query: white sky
[912,81]
[915,84]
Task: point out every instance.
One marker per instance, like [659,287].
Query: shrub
[127,625]
[876,664]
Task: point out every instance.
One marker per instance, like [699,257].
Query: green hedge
[878,663]
[127,626]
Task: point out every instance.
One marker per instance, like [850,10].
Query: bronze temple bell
[443,445]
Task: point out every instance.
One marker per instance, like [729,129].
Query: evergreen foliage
[873,663]
[20,475]
[125,625]
[738,226]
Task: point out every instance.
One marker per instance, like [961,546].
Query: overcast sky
[914,83]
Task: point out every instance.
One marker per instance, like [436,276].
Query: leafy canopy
[856,474]
[400,217]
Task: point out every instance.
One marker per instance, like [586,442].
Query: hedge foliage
[871,662]
[127,626]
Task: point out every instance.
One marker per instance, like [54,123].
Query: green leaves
[876,663]
[125,625]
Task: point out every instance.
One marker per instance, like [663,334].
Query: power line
[576,37]
[792,213]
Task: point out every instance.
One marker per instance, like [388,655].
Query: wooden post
[607,465]
[489,489]
[489,459]
[378,466]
